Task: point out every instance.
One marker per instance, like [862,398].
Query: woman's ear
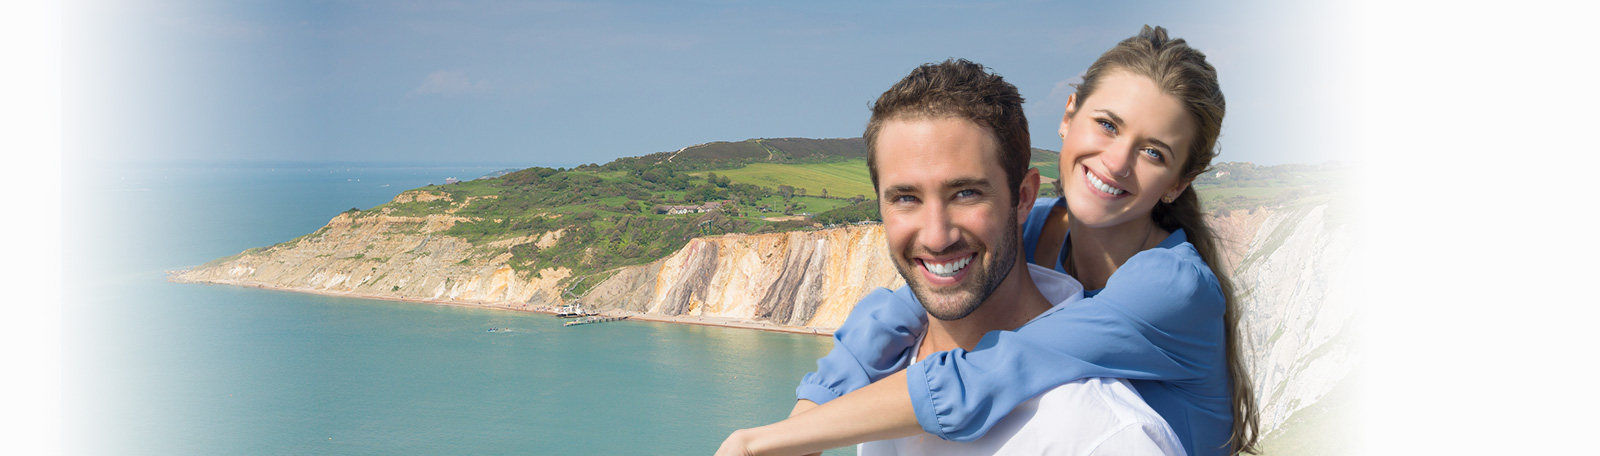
[1176,190]
[1072,106]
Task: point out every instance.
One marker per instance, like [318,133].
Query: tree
[786,192]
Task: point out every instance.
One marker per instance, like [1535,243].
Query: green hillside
[839,178]
[844,178]
[1243,185]
[635,210]
[638,209]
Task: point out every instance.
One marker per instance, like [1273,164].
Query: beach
[724,322]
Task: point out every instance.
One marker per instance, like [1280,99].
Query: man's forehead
[946,150]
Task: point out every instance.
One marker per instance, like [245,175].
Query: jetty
[594,319]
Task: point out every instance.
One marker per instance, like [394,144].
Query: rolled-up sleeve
[1159,318]
[874,342]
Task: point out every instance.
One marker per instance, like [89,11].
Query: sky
[566,83]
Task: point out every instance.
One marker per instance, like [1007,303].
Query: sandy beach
[724,322]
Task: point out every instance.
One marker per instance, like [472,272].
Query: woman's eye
[1153,153]
[1107,125]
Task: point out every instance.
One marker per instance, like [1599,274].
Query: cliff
[1297,316]
[792,279]
[1288,267]
[798,278]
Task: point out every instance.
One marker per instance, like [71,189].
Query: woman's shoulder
[1183,277]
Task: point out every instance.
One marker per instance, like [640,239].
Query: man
[948,153]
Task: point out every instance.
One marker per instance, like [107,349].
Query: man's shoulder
[1108,400]
[1056,287]
[1093,411]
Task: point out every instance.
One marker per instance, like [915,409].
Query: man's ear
[1028,192]
[1072,106]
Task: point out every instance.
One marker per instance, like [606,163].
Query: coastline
[723,322]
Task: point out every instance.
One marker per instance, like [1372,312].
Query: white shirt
[1092,416]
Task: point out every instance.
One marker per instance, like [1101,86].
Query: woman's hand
[880,411]
[736,445]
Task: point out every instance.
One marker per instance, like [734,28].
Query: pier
[594,319]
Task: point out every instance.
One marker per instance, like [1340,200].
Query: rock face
[1296,313]
[799,278]
[389,257]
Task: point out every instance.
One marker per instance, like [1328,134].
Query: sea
[159,368]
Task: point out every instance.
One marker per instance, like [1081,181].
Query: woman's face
[1123,150]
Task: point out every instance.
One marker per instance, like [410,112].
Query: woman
[1160,312]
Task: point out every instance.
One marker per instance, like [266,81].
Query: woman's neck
[1095,253]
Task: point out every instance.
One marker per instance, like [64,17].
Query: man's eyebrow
[968,182]
[896,189]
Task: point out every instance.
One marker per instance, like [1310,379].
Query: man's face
[951,224]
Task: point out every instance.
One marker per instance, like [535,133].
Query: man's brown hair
[957,88]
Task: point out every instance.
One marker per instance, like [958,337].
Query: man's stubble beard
[979,290]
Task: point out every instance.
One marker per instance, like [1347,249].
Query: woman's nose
[1119,163]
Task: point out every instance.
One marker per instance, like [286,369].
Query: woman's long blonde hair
[1182,71]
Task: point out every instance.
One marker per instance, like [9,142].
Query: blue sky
[565,83]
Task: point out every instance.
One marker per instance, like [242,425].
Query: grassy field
[841,179]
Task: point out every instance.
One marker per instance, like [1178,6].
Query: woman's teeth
[1097,183]
[947,269]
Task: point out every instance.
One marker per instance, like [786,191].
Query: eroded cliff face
[800,278]
[385,256]
[1296,315]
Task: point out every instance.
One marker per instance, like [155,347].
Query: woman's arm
[1159,318]
[873,342]
[876,412]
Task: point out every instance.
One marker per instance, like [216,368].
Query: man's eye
[966,193]
[904,199]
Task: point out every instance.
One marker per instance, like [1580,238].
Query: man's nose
[938,232]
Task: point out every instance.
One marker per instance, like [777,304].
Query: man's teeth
[1097,183]
[947,269]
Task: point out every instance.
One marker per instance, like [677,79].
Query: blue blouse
[1158,323]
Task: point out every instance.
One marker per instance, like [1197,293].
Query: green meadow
[841,179]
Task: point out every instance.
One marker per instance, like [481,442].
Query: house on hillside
[451,180]
[703,208]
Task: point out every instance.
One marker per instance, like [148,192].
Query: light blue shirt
[1158,323]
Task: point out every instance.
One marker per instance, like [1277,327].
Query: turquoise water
[153,367]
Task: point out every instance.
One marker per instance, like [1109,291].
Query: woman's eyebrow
[1161,144]
[1114,118]
[1118,121]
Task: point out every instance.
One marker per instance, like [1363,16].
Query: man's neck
[1012,304]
